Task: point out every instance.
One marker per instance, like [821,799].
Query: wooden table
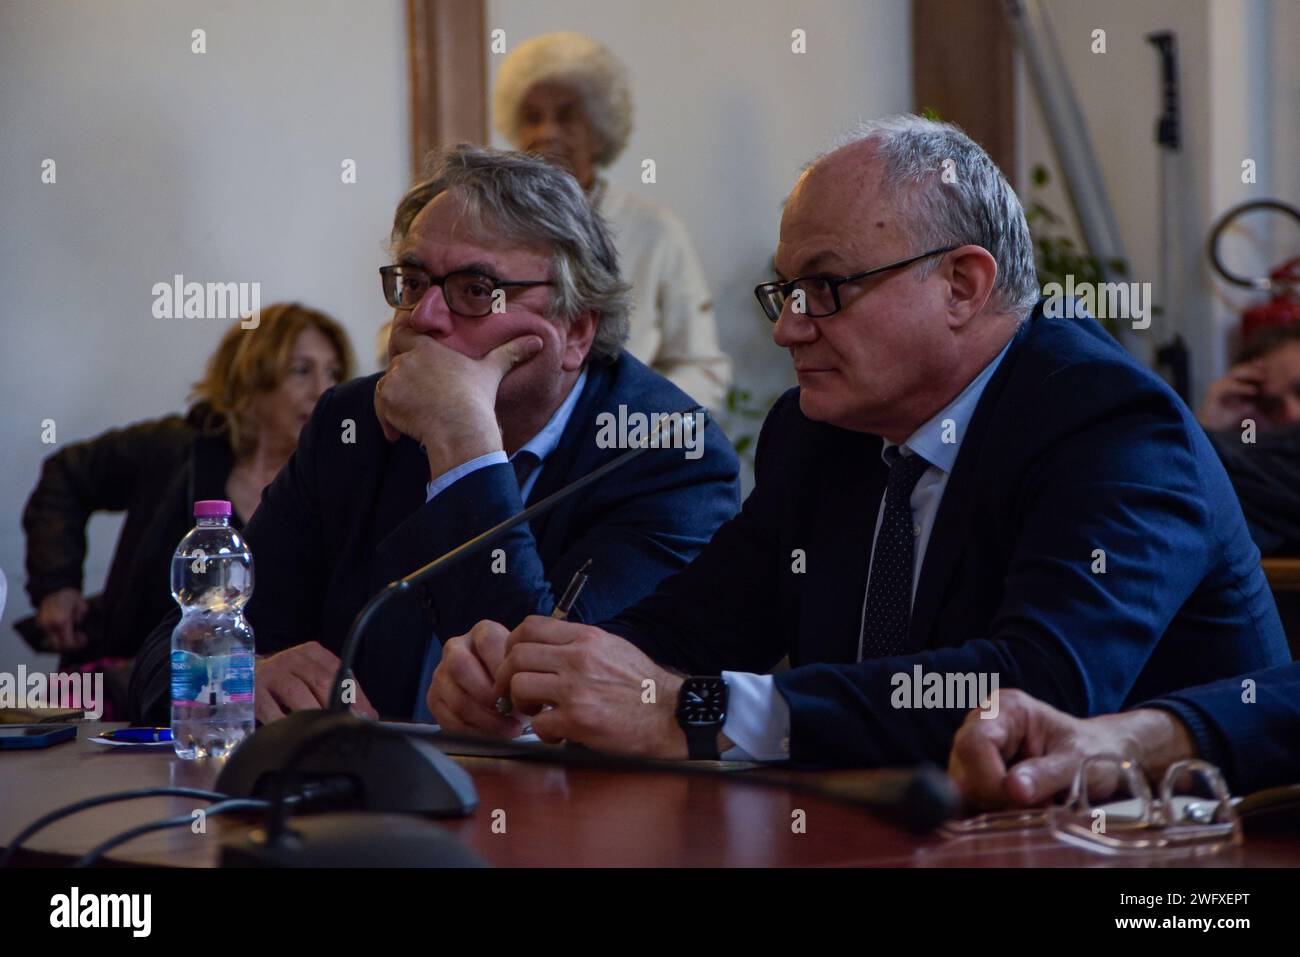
[555,816]
[1283,574]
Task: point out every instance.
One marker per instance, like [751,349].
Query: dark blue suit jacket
[342,520]
[1073,447]
[1251,732]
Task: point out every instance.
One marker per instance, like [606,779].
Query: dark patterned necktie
[889,589]
[524,463]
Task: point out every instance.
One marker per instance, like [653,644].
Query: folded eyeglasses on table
[1142,823]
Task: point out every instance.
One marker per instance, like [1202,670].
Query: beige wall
[221,166]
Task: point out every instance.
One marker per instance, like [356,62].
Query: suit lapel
[844,519]
[950,535]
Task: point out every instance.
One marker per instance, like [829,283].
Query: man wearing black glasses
[506,351]
[961,494]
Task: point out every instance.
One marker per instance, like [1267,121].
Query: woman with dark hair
[257,392]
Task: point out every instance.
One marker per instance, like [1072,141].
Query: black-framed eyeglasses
[468,292]
[821,294]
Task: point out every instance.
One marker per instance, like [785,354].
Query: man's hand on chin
[587,686]
[446,400]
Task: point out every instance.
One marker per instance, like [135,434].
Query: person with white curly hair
[565,97]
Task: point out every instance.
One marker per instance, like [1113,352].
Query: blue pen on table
[138,735]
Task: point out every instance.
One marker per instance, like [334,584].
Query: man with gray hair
[507,357]
[961,491]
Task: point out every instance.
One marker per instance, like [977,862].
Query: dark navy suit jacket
[1073,447]
[342,520]
[1251,731]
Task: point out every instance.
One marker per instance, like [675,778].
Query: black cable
[327,789]
[337,788]
[919,797]
[221,807]
[42,822]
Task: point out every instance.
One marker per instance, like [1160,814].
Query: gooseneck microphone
[391,771]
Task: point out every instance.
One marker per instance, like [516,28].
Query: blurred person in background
[564,97]
[258,390]
[1263,458]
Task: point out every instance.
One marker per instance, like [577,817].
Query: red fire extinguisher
[1283,282]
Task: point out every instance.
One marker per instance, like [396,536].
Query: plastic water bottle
[212,646]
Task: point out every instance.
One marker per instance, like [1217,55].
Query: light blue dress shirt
[541,445]
[758,717]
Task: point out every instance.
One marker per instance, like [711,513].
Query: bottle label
[213,681]
[239,678]
[189,675]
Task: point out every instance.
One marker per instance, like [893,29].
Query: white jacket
[672,327]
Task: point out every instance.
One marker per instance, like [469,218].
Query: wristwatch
[701,712]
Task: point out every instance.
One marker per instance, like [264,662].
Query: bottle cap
[212,508]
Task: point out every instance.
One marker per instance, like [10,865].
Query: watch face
[702,701]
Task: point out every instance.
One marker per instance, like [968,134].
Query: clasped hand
[572,682]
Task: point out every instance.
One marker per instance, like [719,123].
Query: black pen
[567,601]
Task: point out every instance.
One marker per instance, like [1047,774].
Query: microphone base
[390,771]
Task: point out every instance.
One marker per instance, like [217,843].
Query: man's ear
[577,340]
[971,272]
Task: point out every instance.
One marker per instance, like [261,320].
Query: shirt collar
[544,442]
[928,440]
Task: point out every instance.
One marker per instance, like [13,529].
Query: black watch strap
[702,742]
